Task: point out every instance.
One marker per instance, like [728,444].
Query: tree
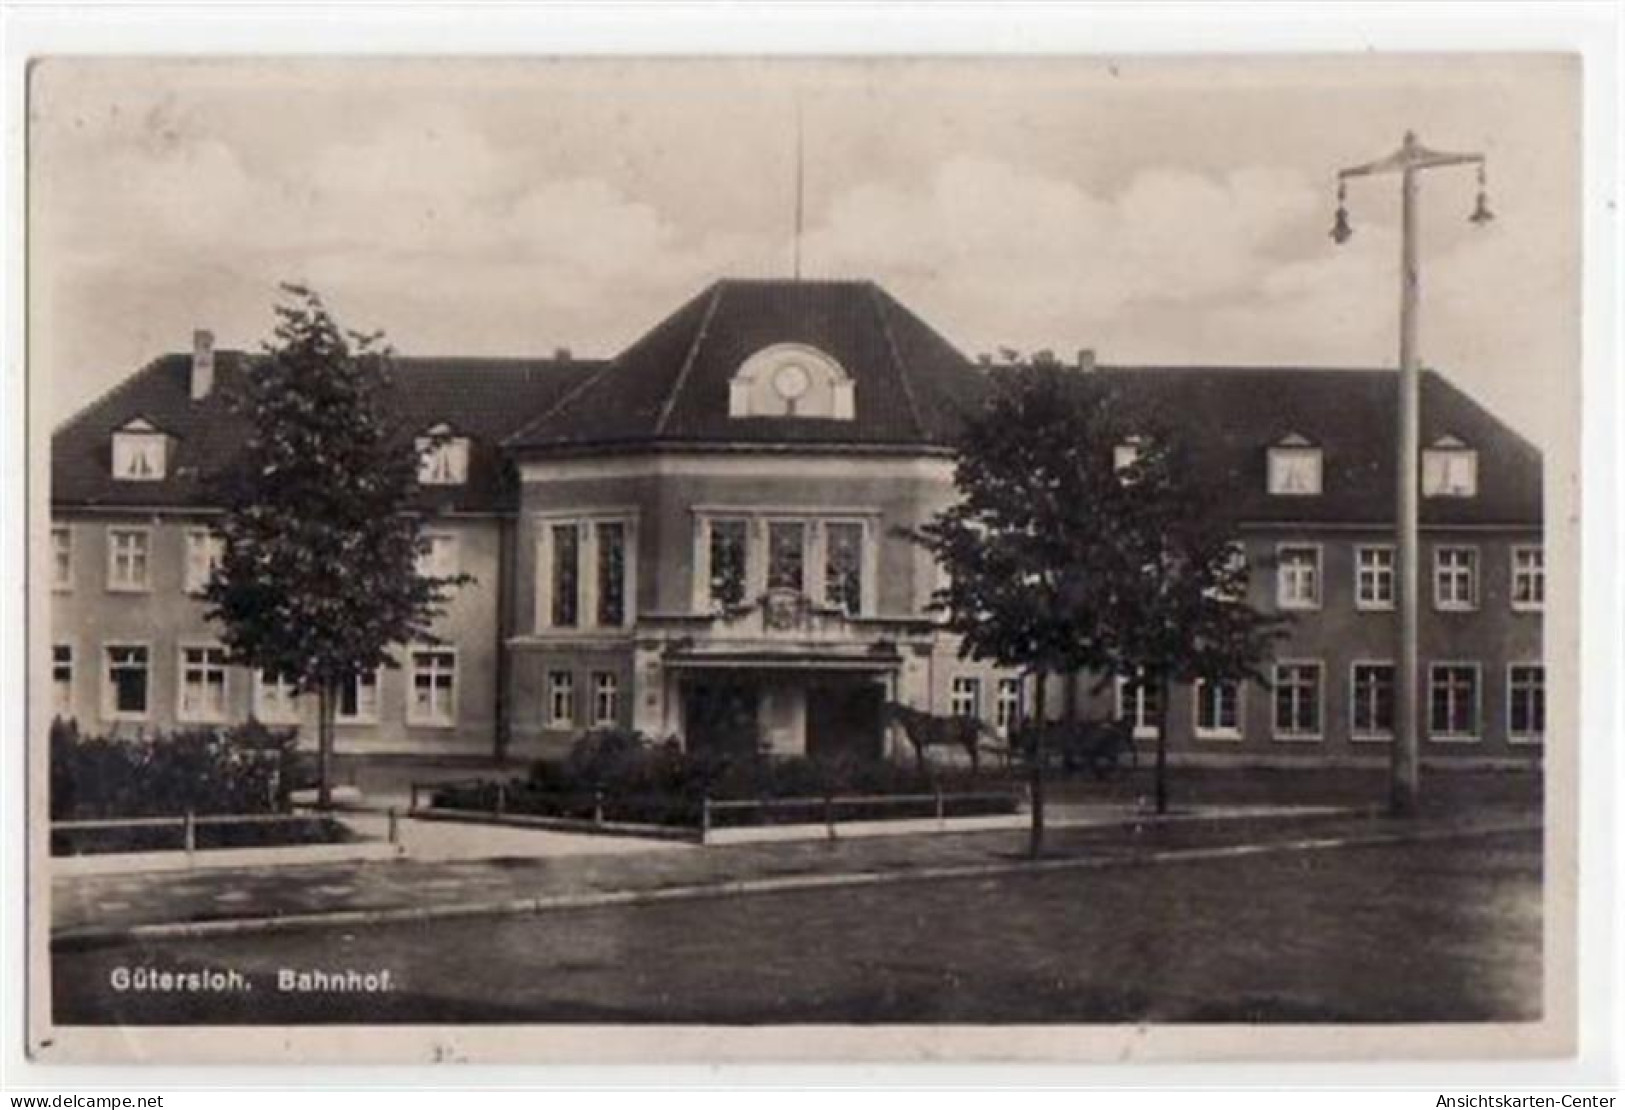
[1058,560]
[319,576]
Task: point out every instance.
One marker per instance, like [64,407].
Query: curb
[81,939]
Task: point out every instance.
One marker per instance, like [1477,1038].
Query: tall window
[205,551]
[127,558]
[127,673]
[1374,577]
[1526,702]
[611,536]
[1297,701]
[1298,576]
[434,688]
[606,699]
[1140,703]
[843,566]
[1455,577]
[438,555]
[566,580]
[965,698]
[561,699]
[61,557]
[62,680]
[727,549]
[787,555]
[203,684]
[275,702]
[1371,710]
[1218,709]
[1449,469]
[442,458]
[1007,703]
[1528,578]
[1453,701]
[358,700]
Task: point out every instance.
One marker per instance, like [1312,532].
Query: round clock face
[791,381]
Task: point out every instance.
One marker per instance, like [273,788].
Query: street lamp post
[1408,161]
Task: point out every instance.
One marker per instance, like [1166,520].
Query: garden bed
[87,838]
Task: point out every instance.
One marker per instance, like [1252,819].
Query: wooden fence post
[829,814]
[413,807]
[598,806]
[394,826]
[189,833]
[705,818]
[502,798]
[941,814]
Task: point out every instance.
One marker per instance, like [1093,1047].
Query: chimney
[1086,359]
[561,354]
[985,358]
[202,363]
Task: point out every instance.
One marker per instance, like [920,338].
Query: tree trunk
[325,699]
[1035,846]
[1162,743]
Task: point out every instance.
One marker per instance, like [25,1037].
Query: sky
[1155,211]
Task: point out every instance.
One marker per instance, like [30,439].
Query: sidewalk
[101,909]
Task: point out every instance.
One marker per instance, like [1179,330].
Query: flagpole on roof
[800,178]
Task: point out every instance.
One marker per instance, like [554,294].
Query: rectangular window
[965,698]
[1371,705]
[611,536]
[1294,471]
[1529,578]
[561,699]
[1453,701]
[1218,709]
[434,688]
[787,555]
[358,700]
[61,557]
[442,459]
[566,577]
[62,680]
[1449,472]
[1374,577]
[205,551]
[127,673]
[1298,576]
[438,555]
[203,684]
[275,702]
[1138,702]
[727,549]
[127,558]
[1455,577]
[1526,702]
[1007,704]
[139,456]
[843,566]
[1297,701]
[606,699]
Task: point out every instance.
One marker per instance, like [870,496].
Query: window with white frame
[358,700]
[276,701]
[62,680]
[843,566]
[1139,702]
[1371,701]
[787,555]
[728,545]
[1294,468]
[965,696]
[1449,469]
[586,572]
[61,557]
[1007,704]
[561,699]
[1453,701]
[125,695]
[438,555]
[434,688]
[1374,576]
[610,538]
[1526,702]
[606,699]
[140,453]
[1455,577]
[205,551]
[128,558]
[1218,709]
[1297,576]
[1297,701]
[442,457]
[1529,577]
[791,379]
[203,684]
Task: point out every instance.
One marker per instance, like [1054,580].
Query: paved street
[1440,930]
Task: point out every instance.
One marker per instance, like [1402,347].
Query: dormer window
[442,457]
[1449,469]
[1295,468]
[140,453]
[791,379]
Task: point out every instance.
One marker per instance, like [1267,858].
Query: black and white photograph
[711,558]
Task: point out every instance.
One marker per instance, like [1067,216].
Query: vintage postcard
[956,559]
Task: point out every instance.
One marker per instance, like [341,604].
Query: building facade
[705,537]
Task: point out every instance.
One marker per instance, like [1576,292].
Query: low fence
[189,823]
